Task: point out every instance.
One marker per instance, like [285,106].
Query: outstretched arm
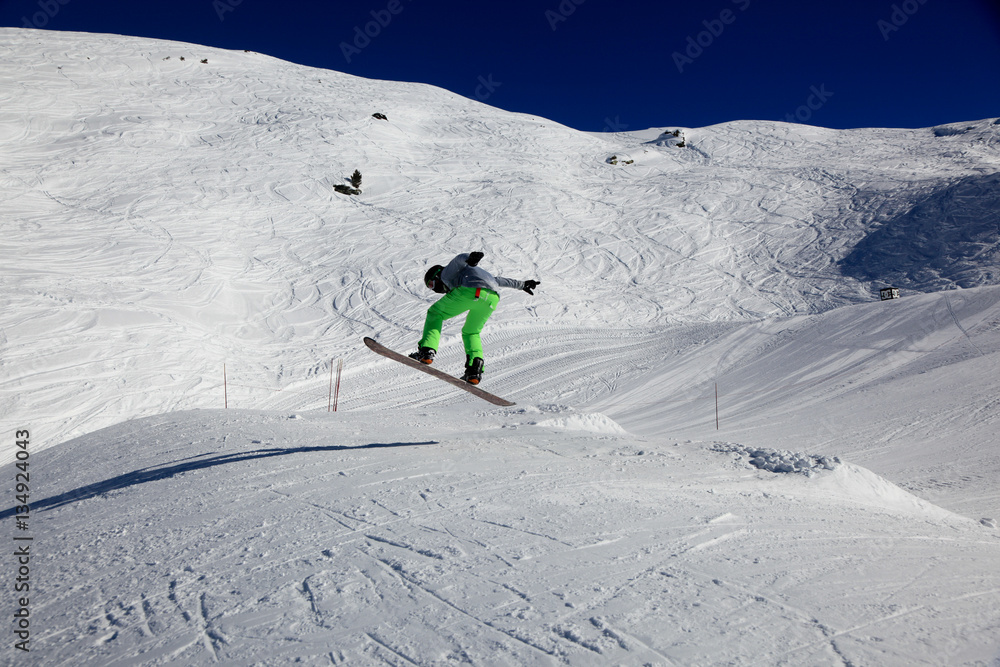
[472,259]
[526,285]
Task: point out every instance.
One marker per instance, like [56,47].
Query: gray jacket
[460,274]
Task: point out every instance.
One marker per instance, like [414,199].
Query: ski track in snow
[174,241]
[630,551]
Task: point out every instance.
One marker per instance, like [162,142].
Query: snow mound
[863,486]
[840,480]
[593,422]
[671,139]
[781,461]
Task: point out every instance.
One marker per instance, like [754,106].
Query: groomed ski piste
[173,245]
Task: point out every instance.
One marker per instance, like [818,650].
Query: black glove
[530,285]
[474,258]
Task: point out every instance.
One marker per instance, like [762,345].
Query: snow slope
[456,535]
[908,387]
[169,217]
[179,246]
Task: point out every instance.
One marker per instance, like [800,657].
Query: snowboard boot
[424,355]
[474,370]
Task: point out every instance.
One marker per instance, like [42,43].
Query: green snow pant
[453,304]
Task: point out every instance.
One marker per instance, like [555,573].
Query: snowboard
[413,363]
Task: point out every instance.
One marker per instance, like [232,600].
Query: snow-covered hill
[173,242]
[171,216]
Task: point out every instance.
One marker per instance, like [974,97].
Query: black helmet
[433,279]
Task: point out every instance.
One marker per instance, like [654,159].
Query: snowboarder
[466,288]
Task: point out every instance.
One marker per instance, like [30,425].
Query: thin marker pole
[716,406]
[329,399]
[336,395]
[225,386]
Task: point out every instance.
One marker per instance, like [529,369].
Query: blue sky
[612,65]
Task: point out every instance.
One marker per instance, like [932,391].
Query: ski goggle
[433,279]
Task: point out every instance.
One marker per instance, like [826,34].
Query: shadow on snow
[154,474]
[950,239]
